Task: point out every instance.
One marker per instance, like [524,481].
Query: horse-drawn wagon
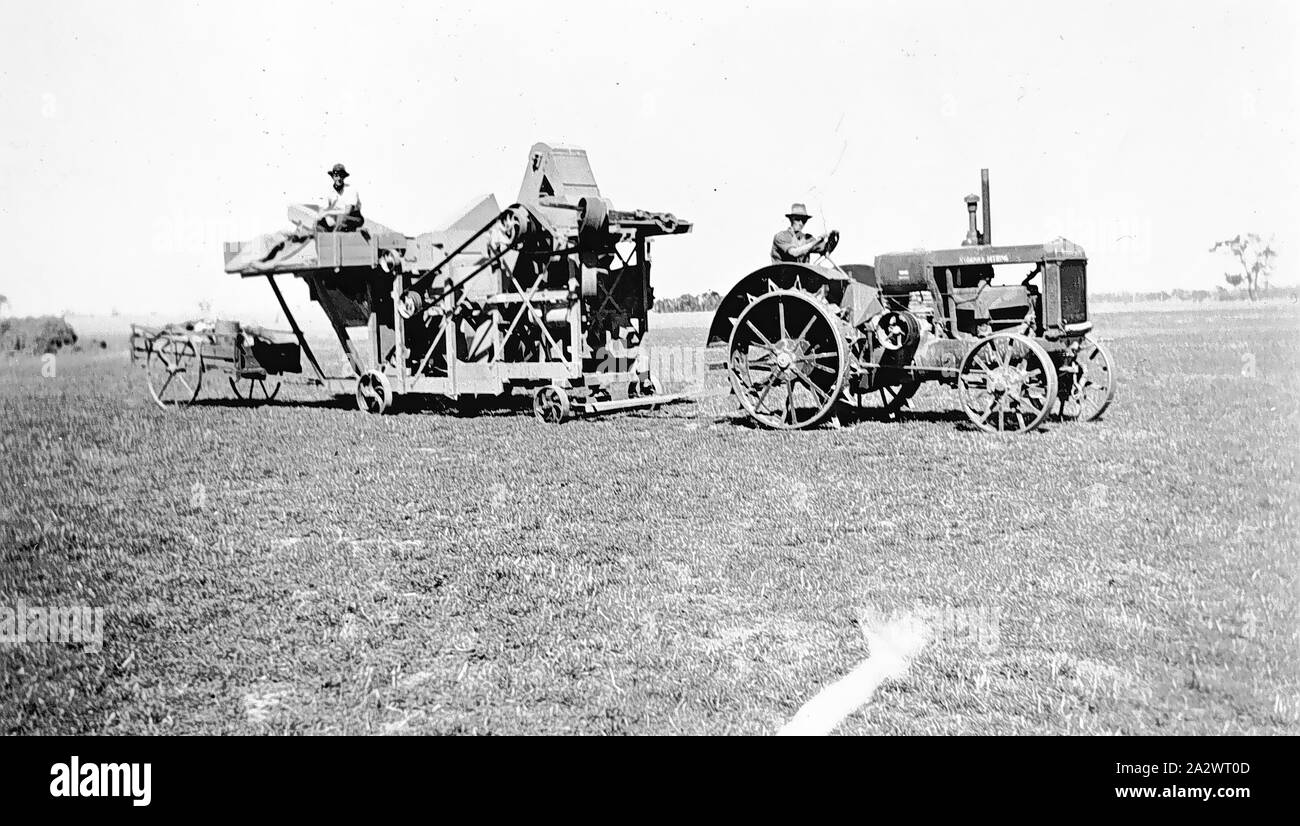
[176,358]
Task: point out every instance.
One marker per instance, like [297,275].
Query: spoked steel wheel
[1092,388]
[551,404]
[374,393]
[787,359]
[174,371]
[256,391]
[1007,383]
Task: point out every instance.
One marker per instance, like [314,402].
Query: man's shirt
[347,201]
[783,241]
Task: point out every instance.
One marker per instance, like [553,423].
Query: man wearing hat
[342,211]
[794,244]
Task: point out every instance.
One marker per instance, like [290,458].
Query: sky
[135,137]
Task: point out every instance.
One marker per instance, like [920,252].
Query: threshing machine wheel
[1092,388]
[374,393]
[1007,383]
[250,395]
[788,359]
[551,404]
[174,371]
[891,399]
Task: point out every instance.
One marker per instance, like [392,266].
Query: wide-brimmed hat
[798,211]
[339,169]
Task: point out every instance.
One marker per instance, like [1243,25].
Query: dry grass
[307,568]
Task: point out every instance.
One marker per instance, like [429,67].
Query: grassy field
[303,567]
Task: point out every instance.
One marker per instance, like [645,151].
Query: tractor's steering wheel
[832,241]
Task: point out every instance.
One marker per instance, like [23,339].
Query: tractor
[1006,326]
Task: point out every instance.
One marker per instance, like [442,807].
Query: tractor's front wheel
[1007,383]
[1091,387]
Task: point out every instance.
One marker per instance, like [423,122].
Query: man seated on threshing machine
[342,211]
[795,245]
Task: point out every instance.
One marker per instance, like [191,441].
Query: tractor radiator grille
[1074,293]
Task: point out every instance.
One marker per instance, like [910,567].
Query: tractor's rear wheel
[1007,383]
[788,359]
[1092,387]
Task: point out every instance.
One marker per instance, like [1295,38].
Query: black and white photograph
[671,369]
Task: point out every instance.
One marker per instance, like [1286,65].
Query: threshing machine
[549,294]
[804,338]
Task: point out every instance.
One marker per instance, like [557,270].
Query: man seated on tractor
[342,211]
[794,244]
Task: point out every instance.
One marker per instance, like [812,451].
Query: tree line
[704,302]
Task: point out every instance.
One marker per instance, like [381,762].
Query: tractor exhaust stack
[986,237]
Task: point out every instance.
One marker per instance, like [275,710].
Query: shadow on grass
[464,408]
[418,404]
[852,417]
[327,403]
[521,405]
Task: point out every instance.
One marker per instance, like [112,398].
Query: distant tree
[705,302]
[1254,255]
[4,303]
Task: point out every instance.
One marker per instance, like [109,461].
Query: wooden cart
[177,357]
